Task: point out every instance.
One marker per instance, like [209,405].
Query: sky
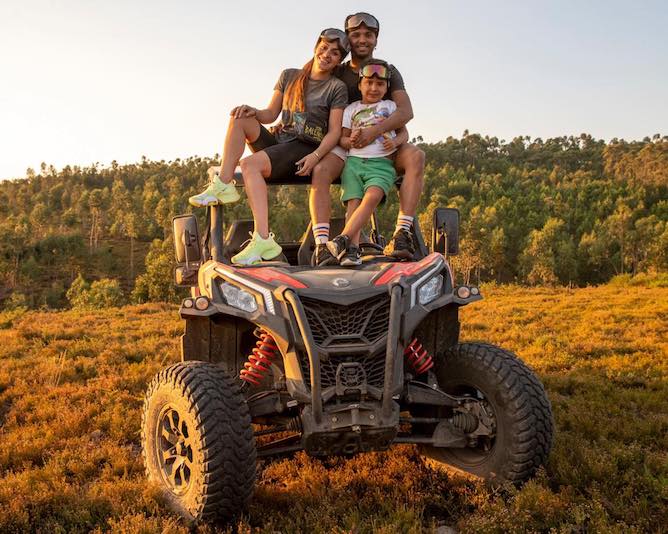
[91,81]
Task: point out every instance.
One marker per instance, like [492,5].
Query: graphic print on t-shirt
[370,116]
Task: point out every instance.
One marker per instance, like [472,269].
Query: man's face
[363,41]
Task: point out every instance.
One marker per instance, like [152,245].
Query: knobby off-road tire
[520,406]
[198,441]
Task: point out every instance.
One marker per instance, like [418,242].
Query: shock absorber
[418,357]
[259,361]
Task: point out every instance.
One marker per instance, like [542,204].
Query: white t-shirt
[359,115]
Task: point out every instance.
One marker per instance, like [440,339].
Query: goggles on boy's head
[374,69]
[356,20]
[334,34]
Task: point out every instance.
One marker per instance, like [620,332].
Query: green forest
[569,210]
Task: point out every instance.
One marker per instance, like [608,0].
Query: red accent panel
[270,275]
[405,269]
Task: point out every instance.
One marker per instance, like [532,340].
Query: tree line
[567,210]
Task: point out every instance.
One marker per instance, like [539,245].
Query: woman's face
[327,55]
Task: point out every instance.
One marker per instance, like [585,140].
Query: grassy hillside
[71,387]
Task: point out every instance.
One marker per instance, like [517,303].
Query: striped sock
[321,233]
[404,222]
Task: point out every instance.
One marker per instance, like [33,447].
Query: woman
[311,102]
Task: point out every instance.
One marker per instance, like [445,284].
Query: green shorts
[361,173]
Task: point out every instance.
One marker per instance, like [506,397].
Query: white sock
[404,222]
[321,233]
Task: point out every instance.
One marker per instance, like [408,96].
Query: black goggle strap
[334,34]
[356,20]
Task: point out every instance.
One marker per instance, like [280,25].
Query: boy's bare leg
[255,169]
[238,132]
[351,206]
[362,214]
[324,173]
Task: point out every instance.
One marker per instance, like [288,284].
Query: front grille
[374,368]
[360,323]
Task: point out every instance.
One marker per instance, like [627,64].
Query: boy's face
[373,89]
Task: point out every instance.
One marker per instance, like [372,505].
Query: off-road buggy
[281,356]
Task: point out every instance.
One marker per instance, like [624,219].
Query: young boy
[369,172]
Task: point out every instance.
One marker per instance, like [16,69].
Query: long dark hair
[295,93]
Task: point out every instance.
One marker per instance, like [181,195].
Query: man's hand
[243,112]
[365,137]
[306,164]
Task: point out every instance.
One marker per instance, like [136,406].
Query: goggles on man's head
[334,34]
[374,69]
[356,20]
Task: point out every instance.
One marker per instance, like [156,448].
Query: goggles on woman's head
[374,69]
[334,34]
[356,20]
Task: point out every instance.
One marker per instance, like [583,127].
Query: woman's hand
[243,112]
[306,164]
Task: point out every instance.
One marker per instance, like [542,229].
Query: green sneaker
[216,193]
[257,250]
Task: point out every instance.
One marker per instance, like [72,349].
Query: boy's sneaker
[401,246]
[338,246]
[352,256]
[322,256]
[258,249]
[216,193]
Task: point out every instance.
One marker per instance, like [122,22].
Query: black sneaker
[338,246]
[401,245]
[322,256]
[352,257]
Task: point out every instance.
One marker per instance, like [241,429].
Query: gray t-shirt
[352,79]
[321,96]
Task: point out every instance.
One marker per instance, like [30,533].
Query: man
[362,30]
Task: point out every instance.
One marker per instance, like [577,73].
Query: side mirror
[186,239]
[445,233]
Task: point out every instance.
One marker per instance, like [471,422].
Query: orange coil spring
[259,361]
[418,357]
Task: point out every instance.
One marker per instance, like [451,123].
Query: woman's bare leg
[325,172]
[238,132]
[255,169]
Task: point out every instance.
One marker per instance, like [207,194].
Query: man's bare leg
[410,163]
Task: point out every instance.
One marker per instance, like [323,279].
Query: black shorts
[283,156]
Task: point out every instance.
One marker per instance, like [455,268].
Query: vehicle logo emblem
[341,282]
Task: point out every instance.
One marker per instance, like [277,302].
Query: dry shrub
[71,387]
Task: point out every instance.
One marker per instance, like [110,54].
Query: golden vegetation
[71,387]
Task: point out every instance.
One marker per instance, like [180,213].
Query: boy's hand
[354,136]
[389,144]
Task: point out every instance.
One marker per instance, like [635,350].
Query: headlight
[431,289]
[238,298]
